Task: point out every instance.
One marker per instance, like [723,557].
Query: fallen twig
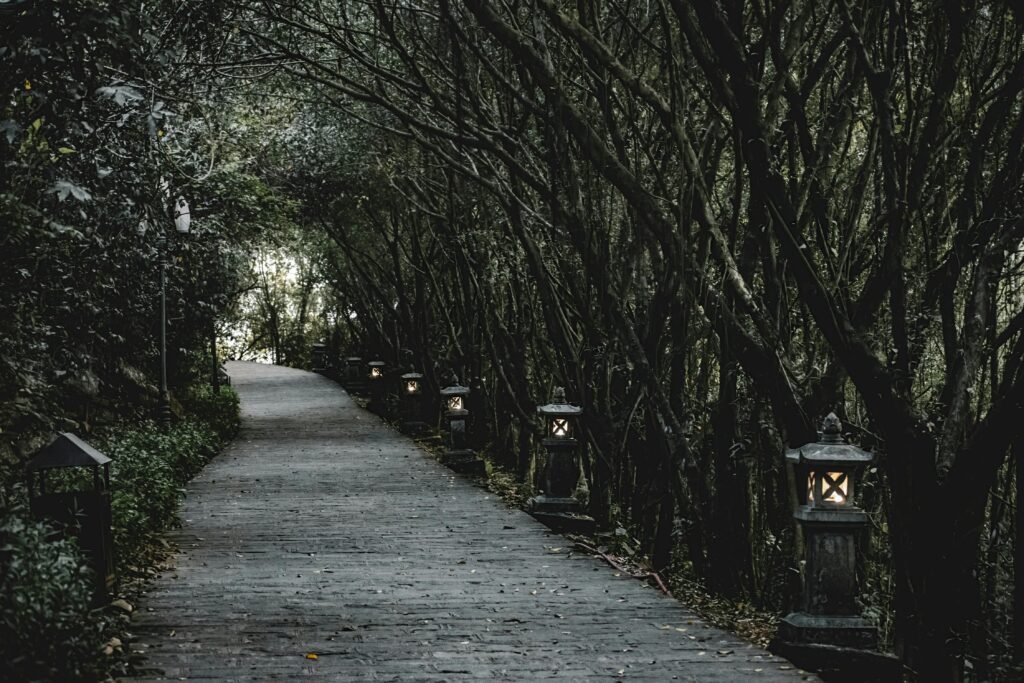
[647,576]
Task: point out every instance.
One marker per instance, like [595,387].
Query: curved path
[320,530]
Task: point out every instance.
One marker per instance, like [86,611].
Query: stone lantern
[83,513]
[459,456]
[377,385]
[319,357]
[354,382]
[410,391]
[831,522]
[556,506]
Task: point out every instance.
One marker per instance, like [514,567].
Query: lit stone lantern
[556,506]
[831,522]
[459,456]
[354,381]
[377,385]
[410,391]
[85,514]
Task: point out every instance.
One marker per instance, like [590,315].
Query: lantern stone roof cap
[831,447]
[319,345]
[558,406]
[377,363]
[455,390]
[354,358]
[67,450]
[412,375]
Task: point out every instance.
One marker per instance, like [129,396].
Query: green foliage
[87,138]
[151,466]
[48,632]
[219,410]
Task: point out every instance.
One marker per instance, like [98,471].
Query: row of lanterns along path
[556,506]
[828,621]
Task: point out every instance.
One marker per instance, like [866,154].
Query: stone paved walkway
[321,530]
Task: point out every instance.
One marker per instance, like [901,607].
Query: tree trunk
[729,549]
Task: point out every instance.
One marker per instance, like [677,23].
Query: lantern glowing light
[833,488]
[560,427]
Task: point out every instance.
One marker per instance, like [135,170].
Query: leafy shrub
[220,409]
[149,469]
[48,632]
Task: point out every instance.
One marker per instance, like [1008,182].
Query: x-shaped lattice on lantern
[560,427]
[832,485]
[412,386]
[455,403]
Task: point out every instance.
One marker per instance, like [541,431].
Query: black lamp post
[459,456]
[556,506]
[182,223]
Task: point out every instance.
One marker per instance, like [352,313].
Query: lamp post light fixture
[458,455]
[556,506]
[182,216]
[831,522]
[410,391]
[83,513]
[377,385]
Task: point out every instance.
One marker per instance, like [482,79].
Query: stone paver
[321,530]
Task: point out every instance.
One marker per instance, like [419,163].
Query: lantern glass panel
[412,386]
[375,372]
[455,403]
[834,488]
[560,428]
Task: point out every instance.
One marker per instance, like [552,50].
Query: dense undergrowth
[49,631]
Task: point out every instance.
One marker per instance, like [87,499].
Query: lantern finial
[558,395]
[832,429]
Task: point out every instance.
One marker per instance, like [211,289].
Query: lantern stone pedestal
[458,456]
[83,514]
[828,635]
[411,403]
[556,507]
